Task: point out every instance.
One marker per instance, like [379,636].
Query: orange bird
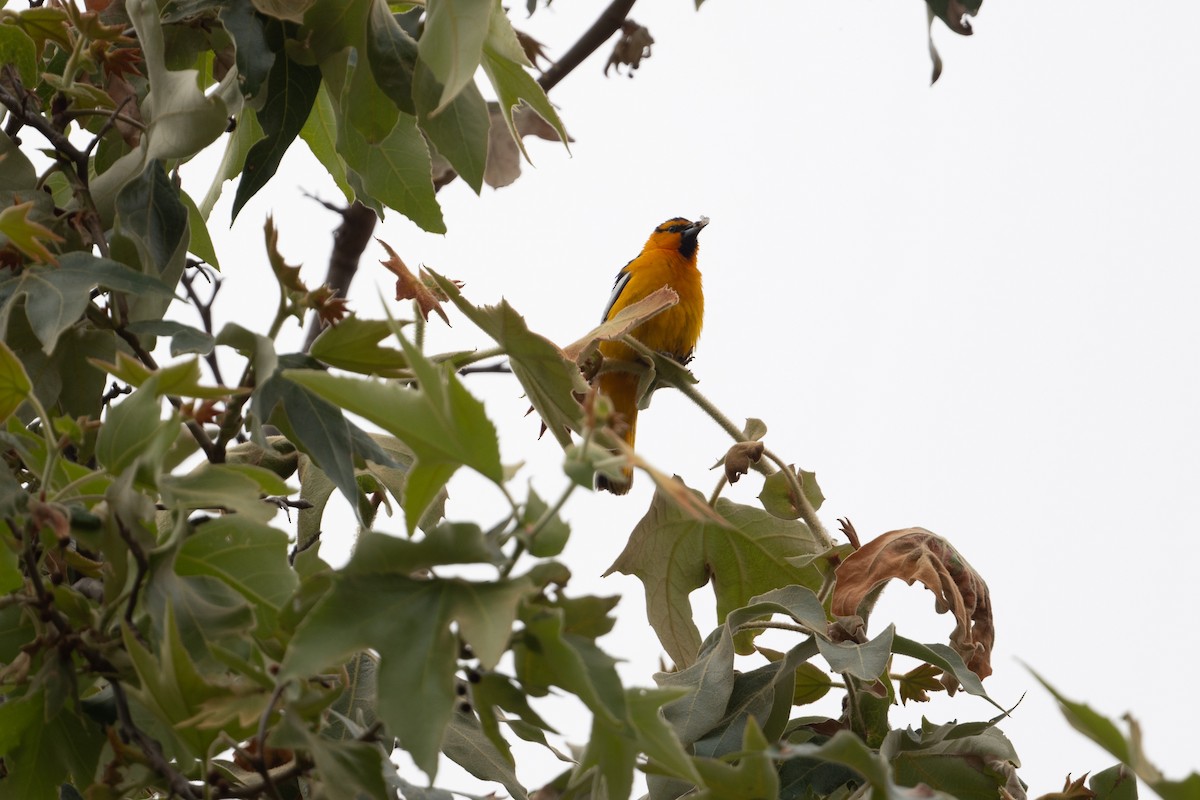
[668,259]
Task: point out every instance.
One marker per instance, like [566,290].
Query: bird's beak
[699,224]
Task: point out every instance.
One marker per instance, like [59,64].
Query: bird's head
[677,234]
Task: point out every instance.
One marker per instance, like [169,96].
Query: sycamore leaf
[549,377]
[673,554]
[416,671]
[452,42]
[25,234]
[439,420]
[15,385]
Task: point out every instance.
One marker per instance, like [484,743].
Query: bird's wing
[619,286]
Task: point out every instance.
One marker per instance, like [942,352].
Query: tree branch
[608,23]
[349,242]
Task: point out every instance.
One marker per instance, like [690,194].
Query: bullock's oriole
[668,259]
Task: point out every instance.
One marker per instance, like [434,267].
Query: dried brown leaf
[535,51]
[915,554]
[739,458]
[410,287]
[631,48]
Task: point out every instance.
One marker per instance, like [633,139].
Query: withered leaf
[631,48]
[739,458]
[410,287]
[915,554]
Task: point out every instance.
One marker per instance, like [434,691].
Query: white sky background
[970,307]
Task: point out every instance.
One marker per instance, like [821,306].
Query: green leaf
[354,345]
[443,424]
[609,760]
[249,557]
[150,211]
[171,690]
[962,760]
[394,173]
[184,338]
[317,426]
[181,119]
[1105,733]
[134,433]
[392,55]
[452,42]
[18,50]
[154,221]
[16,170]
[673,554]
[547,655]
[943,656]
[15,386]
[448,543]
[776,495]
[253,55]
[201,243]
[359,697]
[320,134]
[864,661]
[710,680]
[245,135]
[550,538]
[236,489]
[459,132]
[44,749]
[1115,783]
[752,778]
[656,738]
[23,233]
[549,378]
[812,683]
[468,746]
[55,298]
[291,92]
[416,671]
[504,63]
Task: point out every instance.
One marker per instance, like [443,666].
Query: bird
[667,259]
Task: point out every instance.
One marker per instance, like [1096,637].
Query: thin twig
[176,781]
[204,309]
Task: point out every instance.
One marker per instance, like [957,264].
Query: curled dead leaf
[915,554]
[631,48]
[739,458]
[410,287]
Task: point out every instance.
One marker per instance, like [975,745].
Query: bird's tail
[621,389]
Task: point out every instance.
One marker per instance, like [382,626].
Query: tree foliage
[167,629]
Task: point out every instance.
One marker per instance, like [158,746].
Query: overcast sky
[971,307]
